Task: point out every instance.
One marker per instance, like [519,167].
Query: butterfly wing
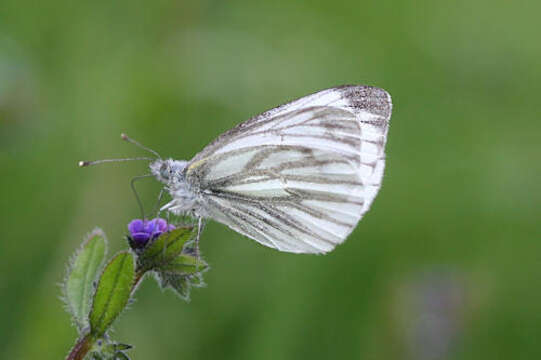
[299,177]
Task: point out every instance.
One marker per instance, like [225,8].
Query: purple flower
[141,231]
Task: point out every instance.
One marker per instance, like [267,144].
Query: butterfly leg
[199,229]
[157,210]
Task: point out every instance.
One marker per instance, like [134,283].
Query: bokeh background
[446,265]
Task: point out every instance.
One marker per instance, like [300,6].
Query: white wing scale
[299,177]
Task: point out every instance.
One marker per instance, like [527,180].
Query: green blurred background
[446,265]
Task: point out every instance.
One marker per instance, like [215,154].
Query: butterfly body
[296,178]
[171,173]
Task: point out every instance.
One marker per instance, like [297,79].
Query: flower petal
[150,226]
[161,224]
[140,237]
[135,226]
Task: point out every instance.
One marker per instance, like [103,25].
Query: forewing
[299,177]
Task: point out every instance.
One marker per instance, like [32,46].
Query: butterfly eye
[165,172]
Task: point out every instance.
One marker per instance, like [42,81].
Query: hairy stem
[81,348]
[138,277]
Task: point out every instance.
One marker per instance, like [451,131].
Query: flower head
[141,231]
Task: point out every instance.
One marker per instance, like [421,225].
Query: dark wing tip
[368,98]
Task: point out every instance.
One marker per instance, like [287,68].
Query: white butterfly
[297,178]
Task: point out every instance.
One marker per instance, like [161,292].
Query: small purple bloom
[141,231]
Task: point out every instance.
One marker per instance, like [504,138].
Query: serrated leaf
[121,347]
[104,349]
[178,283]
[165,248]
[79,284]
[182,274]
[196,280]
[121,356]
[184,265]
[113,292]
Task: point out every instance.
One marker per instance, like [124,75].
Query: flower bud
[143,231]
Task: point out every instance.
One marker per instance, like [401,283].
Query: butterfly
[296,178]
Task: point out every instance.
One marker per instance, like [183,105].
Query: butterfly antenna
[138,144]
[96,162]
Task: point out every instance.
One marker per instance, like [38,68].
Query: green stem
[84,344]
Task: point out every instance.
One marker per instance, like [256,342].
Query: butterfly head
[168,171]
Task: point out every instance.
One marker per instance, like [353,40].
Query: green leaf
[105,349]
[165,248]
[178,283]
[196,280]
[121,347]
[113,292]
[181,274]
[121,356]
[184,265]
[79,284]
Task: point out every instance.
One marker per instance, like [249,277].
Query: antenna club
[125,137]
[83,163]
